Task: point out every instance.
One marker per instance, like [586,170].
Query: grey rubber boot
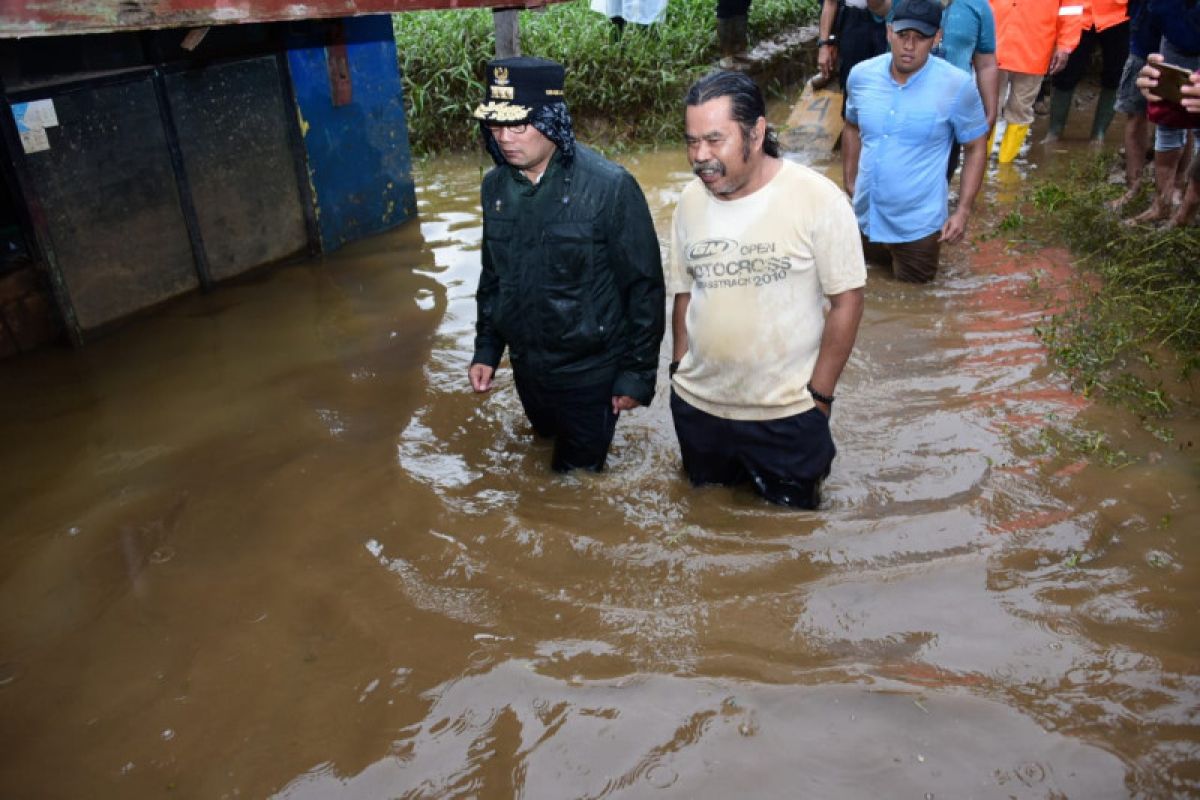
[739,37]
[1060,109]
[1104,113]
[725,41]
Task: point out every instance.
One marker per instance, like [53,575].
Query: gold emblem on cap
[502,93]
[501,75]
[501,112]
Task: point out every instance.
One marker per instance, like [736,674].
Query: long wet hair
[746,102]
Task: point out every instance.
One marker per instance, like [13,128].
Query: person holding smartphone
[1159,80]
[1179,22]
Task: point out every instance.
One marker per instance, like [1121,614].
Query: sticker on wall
[33,119]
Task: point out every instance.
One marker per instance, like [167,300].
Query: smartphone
[1171,80]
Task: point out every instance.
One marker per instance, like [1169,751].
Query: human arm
[837,340]
[679,337]
[489,344]
[987,80]
[974,162]
[636,262]
[827,53]
[851,150]
[969,123]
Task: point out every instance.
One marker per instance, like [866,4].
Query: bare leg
[1166,164]
[1187,209]
[1181,172]
[1136,127]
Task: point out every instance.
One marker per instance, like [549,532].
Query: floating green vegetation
[1130,328]
[1012,222]
[1070,441]
[620,90]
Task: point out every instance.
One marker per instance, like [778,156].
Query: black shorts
[784,459]
[732,8]
[580,419]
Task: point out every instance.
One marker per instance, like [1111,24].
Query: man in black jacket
[572,280]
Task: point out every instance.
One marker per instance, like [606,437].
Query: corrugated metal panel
[360,170]
[232,127]
[58,17]
[112,209]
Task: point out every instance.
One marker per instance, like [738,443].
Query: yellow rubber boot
[1010,145]
[991,141]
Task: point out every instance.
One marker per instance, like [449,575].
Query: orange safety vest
[1104,14]
[1029,31]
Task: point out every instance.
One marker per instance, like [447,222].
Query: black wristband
[830,42]
[674,365]
[827,399]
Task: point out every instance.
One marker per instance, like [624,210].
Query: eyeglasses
[514,129]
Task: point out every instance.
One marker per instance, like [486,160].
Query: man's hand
[824,408]
[827,54]
[1148,77]
[827,60]
[481,377]
[955,227]
[623,402]
[1058,61]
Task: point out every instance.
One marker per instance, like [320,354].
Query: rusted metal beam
[21,18]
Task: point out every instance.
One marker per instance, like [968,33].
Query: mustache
[712,164]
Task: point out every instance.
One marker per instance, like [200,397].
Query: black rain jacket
[572,279]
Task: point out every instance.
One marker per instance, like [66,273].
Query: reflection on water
[267,543]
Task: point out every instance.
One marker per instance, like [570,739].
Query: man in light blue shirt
[904,110]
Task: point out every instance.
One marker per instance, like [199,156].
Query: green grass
[1131,332]
[619,93]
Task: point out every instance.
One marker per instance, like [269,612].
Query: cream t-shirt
[758,269]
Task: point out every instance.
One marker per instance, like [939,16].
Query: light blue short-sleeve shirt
[901,194]
[968,27]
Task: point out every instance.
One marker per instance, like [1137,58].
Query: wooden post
[508,31]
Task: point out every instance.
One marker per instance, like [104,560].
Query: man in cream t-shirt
[758,246]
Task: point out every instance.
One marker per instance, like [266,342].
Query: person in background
[850,31]
[1179,21]
[622,12]
[969,43]
[1147,82]
[1106,23]
[571,280]
[904,110]
[759,246]
[1144,36]
[1033,38]
[733,17]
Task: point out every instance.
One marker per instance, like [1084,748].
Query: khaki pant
[913,262]
[1018,91]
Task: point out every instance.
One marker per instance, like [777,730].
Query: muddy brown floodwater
[266,543]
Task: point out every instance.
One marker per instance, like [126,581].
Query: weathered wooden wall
[155,179]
